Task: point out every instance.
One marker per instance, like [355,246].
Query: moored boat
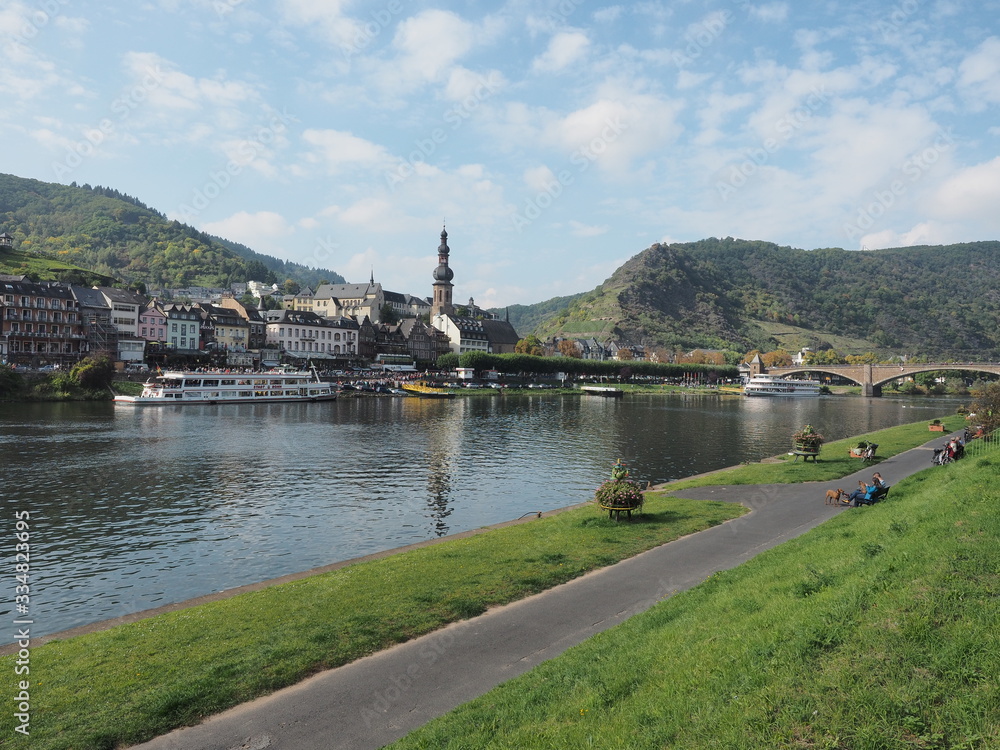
[427,391]
[767,385]
[175,387]
[602,390]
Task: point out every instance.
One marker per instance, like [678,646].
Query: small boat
[767,385]
[601,390]
[230,388]
[427,391]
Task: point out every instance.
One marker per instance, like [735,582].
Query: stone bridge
[871,378]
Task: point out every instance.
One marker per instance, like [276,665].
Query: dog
[833,496]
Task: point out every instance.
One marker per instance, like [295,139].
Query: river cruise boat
[766,385]
[225,388]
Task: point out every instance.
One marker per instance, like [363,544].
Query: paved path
[378,699]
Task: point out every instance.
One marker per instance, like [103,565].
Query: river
[132,508]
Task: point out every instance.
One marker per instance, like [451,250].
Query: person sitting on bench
[861,494]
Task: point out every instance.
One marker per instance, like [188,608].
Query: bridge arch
[871,378]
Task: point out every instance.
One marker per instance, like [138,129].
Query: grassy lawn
[834,460]
[878,629]
[136,681]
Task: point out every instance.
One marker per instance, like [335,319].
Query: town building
[256,335]
[125,308]
[304,334]
[40,323]
[95,312]
[350,300]
[224,329]
[183,327]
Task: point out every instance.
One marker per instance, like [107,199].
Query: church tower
[442,280]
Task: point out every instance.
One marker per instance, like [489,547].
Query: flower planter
[935,427]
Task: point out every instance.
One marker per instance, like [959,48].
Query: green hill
[739,295]
[57,227]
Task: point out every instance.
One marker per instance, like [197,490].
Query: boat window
[210,383]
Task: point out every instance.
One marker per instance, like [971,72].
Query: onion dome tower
[443,275]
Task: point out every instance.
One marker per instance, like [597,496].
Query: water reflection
[134,508]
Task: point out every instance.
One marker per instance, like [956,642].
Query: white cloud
[265,231]
[608,15]
[770,12]
[565,49]
[429,43]
[971,193]
[338,150]
[924,233]
[979,73]
[329,21]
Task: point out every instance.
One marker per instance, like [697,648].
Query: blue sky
[556,139]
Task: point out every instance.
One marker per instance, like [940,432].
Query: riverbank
[876,629]
[253,644]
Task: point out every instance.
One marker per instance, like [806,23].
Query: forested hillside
[734,294]
[116,235]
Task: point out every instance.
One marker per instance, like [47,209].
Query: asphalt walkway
[371,702]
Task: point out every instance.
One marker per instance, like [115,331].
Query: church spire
[442,279]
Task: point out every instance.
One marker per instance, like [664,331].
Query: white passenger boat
[227,388]
[766,385]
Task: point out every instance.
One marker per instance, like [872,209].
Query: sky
[555,139]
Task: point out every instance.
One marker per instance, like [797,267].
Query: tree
[93,373]
[986,407]
[530,345]
[777,358]
[291,286]
[569,348]
[387,314]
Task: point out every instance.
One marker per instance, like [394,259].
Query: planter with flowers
[806,443]
[619,494]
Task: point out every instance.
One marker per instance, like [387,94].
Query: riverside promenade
[378,699]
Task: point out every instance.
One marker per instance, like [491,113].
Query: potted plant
[807,441]
[936,426]
[619,494]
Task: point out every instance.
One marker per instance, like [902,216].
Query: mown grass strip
[136,681]
[878,629]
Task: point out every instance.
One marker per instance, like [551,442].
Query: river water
[132,508]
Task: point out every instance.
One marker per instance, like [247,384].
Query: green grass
[136,681]
[834,460]
[878,629]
